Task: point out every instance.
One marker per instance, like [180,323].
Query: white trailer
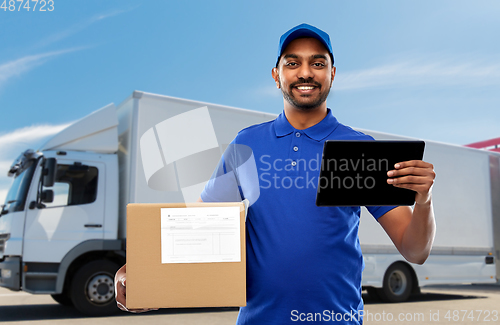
[466,199]
[67,239]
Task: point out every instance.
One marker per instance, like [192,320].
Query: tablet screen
[354,173]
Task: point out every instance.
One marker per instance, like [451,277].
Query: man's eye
[319,64]
[291,64]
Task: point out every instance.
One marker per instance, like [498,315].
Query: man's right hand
[121,291]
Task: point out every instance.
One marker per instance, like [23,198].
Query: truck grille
[3,239]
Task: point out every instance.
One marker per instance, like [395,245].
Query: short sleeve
[378,211]
[235,177]
[222,186]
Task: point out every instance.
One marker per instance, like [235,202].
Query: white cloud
[461,132]
[268,91]
[413,72]
[27,136]
[19,66]
[80,26]
[15,142]
[22,65]
[5,165]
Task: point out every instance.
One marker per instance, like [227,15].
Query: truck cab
[59,224]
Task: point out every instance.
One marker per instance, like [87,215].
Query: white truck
[63,226]
[466,199]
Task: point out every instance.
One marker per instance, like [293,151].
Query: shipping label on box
[200,235]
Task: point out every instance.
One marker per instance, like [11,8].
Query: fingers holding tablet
[415,175]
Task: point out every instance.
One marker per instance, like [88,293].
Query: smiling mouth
[305,90]
[306,87]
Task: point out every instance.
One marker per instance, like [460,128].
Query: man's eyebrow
[295,56]
[319,56]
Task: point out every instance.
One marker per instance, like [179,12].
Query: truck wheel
[397,284]
[92,289]
[63,299]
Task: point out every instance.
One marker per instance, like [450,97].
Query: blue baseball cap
[304,30]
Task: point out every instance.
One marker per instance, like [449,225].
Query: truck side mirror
[49,172]
[47,196]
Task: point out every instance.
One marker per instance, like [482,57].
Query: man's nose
[305,72]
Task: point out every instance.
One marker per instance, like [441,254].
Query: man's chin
[305,103]
[305,106]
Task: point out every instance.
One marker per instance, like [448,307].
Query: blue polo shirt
[304,262]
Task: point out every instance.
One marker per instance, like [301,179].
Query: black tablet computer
[354,173]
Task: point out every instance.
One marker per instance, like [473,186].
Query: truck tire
[62,299]
[92,289]
[397,285]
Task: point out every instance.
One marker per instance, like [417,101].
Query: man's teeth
[305,87]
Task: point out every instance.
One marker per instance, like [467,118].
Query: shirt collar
[316,132]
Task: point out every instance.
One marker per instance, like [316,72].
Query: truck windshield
[16,197]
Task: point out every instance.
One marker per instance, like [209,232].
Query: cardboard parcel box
[186,255]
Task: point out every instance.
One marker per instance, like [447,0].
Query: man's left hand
[415,175]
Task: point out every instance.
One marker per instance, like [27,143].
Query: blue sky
[425,69]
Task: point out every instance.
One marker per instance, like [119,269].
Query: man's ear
[276,77]
[334,69]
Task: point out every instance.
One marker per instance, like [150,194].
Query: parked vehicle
[63,228]
[466,199]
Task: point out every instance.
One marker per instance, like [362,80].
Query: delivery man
[303,259]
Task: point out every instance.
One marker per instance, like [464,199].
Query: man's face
[305,74]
